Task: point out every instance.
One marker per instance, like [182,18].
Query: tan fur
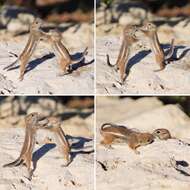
[162,134]
[54,37]
[33,122]
[61,52]
[110,132]
[150,30]
[34,38]
[129,38]
[54,125]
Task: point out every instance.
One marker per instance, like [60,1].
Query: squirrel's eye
[158,132]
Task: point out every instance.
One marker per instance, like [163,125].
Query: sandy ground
[49,173]
[42,73]
[142,79]
[42,76]
[160,165]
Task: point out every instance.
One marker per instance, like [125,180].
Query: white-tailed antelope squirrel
[162,134]
[34,37]
[129,38]
[150,31]
[61,52]
[111,132]
[33,122]
[54,37]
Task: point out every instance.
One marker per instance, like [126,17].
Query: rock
[60,108]
[138,12]
[6,86]
[169,116]
[15,18]
[9,107]
[76,34]
[26,18]
[39,109]
[154,162]
[128,19]
[14,120]
[77,127]
[15,26]
[6,109]
[121,113]
[145,114]
[89,125]
[100,17]
[47,104]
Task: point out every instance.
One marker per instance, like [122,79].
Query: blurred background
[171,16]
[55,10]
[182,101]
[73,18]
[75,112]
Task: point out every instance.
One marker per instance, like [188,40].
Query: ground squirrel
[129,38]
[34,37]
[33,122]
[162,134]
[54,125]
[110,132]
[150,31]
[54,37]
[62,54]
